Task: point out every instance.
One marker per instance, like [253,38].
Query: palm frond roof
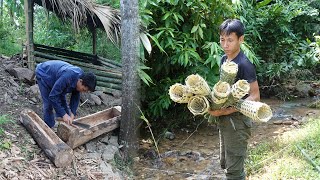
[86,13]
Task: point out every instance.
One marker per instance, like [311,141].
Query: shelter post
[28,4]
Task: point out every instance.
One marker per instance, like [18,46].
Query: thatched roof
[86,13]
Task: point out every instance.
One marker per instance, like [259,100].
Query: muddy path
[194,152]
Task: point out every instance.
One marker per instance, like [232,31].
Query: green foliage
[51,31]
[12,28]
[281,33]
[3,120]
[184,36]
[113,3]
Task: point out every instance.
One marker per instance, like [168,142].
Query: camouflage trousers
[234,133]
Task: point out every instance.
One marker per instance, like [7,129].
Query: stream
[193,153]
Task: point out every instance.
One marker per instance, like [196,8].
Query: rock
[33,100]
[93,155]
[106,168]
[109,152]
[91,146]
[303,89]
[35,90]
[85,97]
[116,94]
[105,98]
[13,82]
[97,93]
[7,98]
[23,74]
[114,141]
[109,174]
[169,135]
[95,99]
[116,102]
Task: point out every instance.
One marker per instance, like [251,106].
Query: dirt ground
[192,154]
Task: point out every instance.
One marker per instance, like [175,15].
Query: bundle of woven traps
[225,93]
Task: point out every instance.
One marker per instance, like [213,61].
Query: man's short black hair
[232,25]
[89,80]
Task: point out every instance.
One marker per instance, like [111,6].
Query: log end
[64,157]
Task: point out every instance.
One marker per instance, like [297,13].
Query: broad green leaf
[194,28]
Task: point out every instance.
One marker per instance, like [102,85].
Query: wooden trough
[90,126]
[57,151]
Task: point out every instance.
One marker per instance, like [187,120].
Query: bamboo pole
[69,55]
[108,90]
[65,51]
[86,65]
[109,85]
[78,56]
[110,61]
[109,80]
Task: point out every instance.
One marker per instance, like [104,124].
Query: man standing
[235,128]
[56,79]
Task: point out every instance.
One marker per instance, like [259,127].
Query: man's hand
[72,116]
[67,119]
[222,112]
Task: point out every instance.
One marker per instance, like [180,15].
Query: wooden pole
[130,82]
[29,31]
[56,150]
[94,41]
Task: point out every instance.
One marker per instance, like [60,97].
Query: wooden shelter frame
[108,72]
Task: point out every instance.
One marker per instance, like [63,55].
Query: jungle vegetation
[282,39]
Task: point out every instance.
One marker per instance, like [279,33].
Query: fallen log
[56,150]
[89,127]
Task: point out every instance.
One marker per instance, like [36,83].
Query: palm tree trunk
[131,81]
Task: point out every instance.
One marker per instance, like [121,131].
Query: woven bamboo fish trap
[255,110]
[197,85]
[220,92]
[179,93]
[240,89]
[198,105]
[229,72]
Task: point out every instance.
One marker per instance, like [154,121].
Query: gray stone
[93,155]
[24,74]
[116,102]
[109,152]
[95,99]
[105,98]
[91,146]
[85,97]
[8,98]
[114,141]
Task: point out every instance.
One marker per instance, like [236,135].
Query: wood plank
[100,123]
[56,150]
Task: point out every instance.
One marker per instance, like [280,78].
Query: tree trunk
[130,80]
[56,150]
[28,6]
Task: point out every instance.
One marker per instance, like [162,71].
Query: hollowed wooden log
[98,124]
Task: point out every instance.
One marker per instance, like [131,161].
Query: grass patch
[8,48]
[4,120]
[282,158]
